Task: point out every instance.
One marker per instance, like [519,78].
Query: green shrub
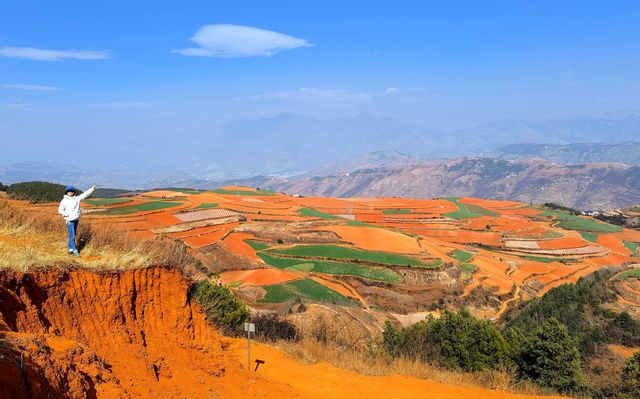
[220,306]
[630,381]
[550,358]
[457,340]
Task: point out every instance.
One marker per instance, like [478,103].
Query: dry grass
[332,343]
[30,238]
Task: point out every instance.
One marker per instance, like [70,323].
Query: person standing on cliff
[70,210]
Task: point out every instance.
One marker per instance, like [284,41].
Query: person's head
[70,191]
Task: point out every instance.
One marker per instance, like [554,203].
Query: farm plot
[258,277]
[568,221]
[314,213]
[305,288]
[144,207]
[460,255]
[106,201]
[243,191]
[194,216]
[328,267]
[340,252]
[633,273]
[207,205]
[467,211]
[376,239]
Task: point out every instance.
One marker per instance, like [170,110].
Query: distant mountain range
[372,155]
[627,153]
[584,186]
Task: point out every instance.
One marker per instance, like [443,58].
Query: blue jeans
[72,227]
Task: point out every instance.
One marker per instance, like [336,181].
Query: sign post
[249,328]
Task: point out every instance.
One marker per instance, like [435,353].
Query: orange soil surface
[164,194]
[464,237]
[623,351]
[236,244]
[127,335]
[268,276]
[194,232]
[613,243]
[566,242]
[209,238]
[376,239]
[324,381]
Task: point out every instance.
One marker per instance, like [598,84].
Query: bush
[630,381]
[456,340]
[548,356]
[37,191]
[3,187]
[271,327]
[575,306]
[624,329]
[220,306]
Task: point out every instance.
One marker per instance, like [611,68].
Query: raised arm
[86,193]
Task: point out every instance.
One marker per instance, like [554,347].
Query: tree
[550,358]
[3,187]
[631,377]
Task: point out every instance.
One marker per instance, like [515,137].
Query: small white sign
[250,327]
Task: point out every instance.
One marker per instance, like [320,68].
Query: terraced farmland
[396,253]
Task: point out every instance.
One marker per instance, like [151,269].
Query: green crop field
[468,268]
[548,260]
[147,206]
[468,211]
[635,209]
[396,211]
[629,273]
[257,193]
[305,288]
[589,236]
[106,201]
[257,245]
[633,247]
[568,221]
[336,251]
[462,256]
[338,268]
[207,205]
[310,212]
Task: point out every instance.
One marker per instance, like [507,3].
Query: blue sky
[69,67]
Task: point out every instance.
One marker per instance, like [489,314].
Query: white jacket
[69,207]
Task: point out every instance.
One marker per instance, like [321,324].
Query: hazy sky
[81,70]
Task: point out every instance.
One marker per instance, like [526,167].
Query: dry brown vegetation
[31,239]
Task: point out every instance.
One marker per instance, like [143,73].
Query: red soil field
[236,244]
[376,239]
[209,238]
[465,237]
[268,276]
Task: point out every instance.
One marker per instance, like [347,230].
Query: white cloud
[391,90]
[18,86]
[39,54]
[314,94]
[239,41]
